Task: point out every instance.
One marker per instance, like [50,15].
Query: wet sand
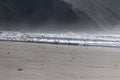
[34,61]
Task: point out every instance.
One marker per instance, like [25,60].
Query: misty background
[60,15]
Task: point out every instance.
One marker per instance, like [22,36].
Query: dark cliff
[39,12]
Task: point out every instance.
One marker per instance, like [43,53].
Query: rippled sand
[33,61]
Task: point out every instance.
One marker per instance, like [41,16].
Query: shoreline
[79,45]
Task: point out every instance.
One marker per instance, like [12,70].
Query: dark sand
[34,61]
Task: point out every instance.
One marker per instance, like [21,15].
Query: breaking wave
[63,38]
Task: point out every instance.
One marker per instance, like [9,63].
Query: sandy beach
[34,61]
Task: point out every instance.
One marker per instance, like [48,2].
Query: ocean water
[70,38]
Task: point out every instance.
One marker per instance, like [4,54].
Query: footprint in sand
[19,69]
[8,53]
